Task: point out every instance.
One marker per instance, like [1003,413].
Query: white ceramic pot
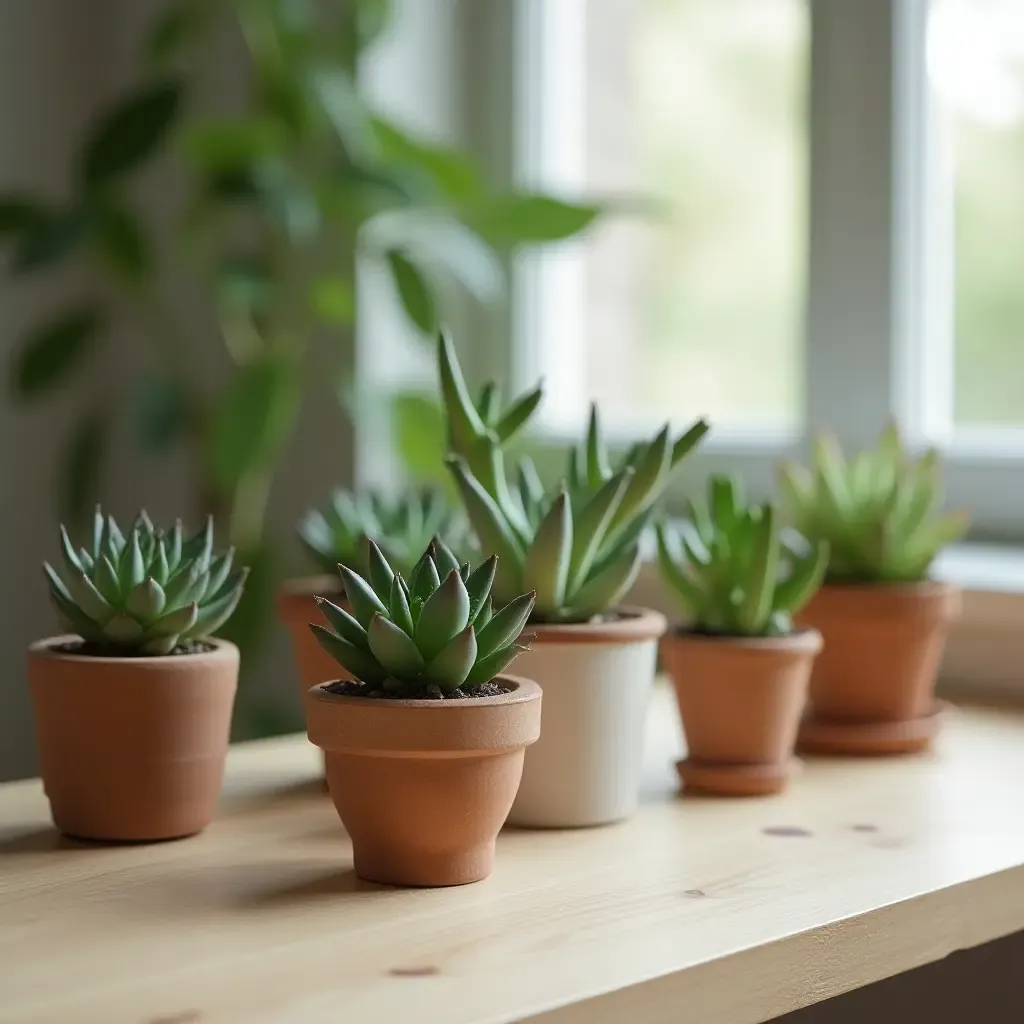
[597,678]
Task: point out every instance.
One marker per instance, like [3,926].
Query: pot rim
[633,624]
[223,650]
[805,639]
[525,691]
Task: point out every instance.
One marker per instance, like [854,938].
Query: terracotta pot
[883,647]
[740,700]
[297,608]
[597,679]
[132,748]
[424,786]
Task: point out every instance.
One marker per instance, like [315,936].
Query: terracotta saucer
[820,736]
[735,779]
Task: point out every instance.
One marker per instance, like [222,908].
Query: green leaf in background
[357,192]
[520,218]
[418,429]
[372,18]
[122,243]
[51,239]
[160,413]
[232,143]
[244,285]
[454,173]
[52,351]
[332,300]
[252,623]
[347,112]
[129,134]
[253,419]
[79,469]
[172,30]
[20,214]
[414,291]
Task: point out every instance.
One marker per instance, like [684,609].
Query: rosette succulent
[732,568]
[880,511]
[577,546]
[146,593]
[401,527]
[435,635]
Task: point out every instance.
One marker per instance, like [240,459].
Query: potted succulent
[133,705]
[578,547]
[338,533]
[883,619]
[424,745]
[739,666]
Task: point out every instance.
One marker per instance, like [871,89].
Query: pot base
[390,866]
[735,779]
[871,739]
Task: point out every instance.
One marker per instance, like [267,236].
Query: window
[841,238]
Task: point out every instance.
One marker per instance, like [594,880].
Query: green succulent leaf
[479,584]
[445,614]
[546,568]
[450,667]
[364,602]
[607,587]
[394,648]
[494,663]
[398,606]
[505,625]
[360,663]
[424,579]
[343,623]
[145,600]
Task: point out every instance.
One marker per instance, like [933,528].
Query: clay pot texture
[883,648]
[424,786]
[597,679]
[297,608]
[740,698]
[132,748]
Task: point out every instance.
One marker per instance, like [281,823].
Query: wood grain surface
[712,911]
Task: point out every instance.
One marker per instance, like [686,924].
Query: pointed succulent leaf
[424,579]
[134,566]
[71,559]
[647,483]
[114,539]
[531,490]
[450,667]
[464,421]
[88,598]
[598,469]
[444,559]
[219,572]
[759,585]
[364,602]
[546,568]
[394,648]
[146,600]
[606,588]
[445,613]
[181,588]
[505,625]
[176,622]
[398,606]
[98,525]
[484,615]
[361,664]
[489,402]
[161,570]
[805,578]
[518,415]
[174,545]
[592,524]
[122,628]
[479,584]
[670,563]
[57,585]
[159,646]
[343,623]
[494,663]
[213,614]
[381,574]
[688,441]
[74,619]
[464,570]
[106,580]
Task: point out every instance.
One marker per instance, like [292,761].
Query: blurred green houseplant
[278,200]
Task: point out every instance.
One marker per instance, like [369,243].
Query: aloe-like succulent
[732,567]
[146,593]
[880,511]
[577,546]
[401,527]
[436,634]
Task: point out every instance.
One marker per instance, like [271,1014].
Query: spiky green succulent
[880,511]
[401,527]
[734,570]
[577,545]
[438,630]
[146,593]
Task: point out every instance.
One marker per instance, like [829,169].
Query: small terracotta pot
[132,748]
[297,608]
[883,647]
[597,679]
[424,786]
[740,700]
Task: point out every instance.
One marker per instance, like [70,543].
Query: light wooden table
[697,910]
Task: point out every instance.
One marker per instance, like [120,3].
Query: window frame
[878,324]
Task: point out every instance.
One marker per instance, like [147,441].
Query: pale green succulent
[437,632]
[402,527]
[147,593]
[732,568]
[879,511]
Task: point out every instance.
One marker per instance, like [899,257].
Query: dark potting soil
[348,688]
[91,650]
